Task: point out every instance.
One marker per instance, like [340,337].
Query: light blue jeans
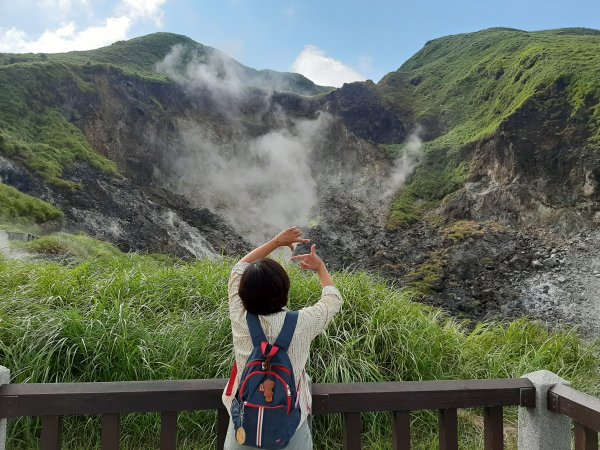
[301,440]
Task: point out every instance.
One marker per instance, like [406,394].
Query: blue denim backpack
[264,412]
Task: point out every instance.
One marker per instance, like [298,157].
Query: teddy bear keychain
[268,388]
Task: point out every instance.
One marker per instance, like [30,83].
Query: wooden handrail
[51,399]
[580,407]
[111,400]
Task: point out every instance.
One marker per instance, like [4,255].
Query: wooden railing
[111,400]
[583,409]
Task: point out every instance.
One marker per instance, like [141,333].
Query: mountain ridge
[140,55]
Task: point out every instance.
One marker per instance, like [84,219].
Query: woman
[261,286]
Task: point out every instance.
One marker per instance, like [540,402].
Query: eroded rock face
[363,112]
[170,137]
[536,171]
[134,218]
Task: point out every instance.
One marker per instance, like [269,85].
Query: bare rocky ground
[499,272]
[565,286]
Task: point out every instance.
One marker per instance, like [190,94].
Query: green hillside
[135,56]
[34,126]
[138,57]
[38,123]
[462,88]
[471,82]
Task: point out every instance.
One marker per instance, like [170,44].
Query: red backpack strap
[229,390]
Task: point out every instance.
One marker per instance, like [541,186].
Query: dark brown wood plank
[180,395]
[352,428]
[168,430]
[9,406]
[51,433]
[448,429]
[222,427]
[415,395]
[493,428]
[111,430]
[528,397]
[585,438]
[581,407]
[36,399]
[401,430]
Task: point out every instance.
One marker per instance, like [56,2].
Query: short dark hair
[264,287]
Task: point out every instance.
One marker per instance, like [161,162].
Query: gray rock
[551,262]
[536,264]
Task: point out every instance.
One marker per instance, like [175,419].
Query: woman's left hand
[290,238]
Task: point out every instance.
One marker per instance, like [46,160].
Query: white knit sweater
[312,320]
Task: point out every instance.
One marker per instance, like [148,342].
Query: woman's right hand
[310,261]
[289,238]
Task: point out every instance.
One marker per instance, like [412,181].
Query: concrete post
[4,379]
[539,428]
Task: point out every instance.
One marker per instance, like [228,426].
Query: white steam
[405,163]
[260,183]
[210,70]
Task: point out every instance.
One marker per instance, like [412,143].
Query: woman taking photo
[259,287]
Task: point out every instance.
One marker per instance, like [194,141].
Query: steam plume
[261,183]
[405,162]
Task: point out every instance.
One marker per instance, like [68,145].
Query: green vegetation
[63,244]
[136,57]
[462,88]
[40,94]
[427,275]
[465,229]
[113,316]
[468,84]
[16,205]
[34,131]
[462,229]
[437,176]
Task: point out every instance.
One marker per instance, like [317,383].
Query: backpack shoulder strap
[256,331]
[287,331]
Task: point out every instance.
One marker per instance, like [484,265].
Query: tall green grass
[20,207]
[113,317]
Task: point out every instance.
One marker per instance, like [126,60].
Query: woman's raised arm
[286,238]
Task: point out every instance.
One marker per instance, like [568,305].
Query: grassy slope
[14,204]
[36,125]
[36,128]
[468,84]
[113,316]
[33,125]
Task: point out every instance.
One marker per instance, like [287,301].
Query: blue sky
[329,41]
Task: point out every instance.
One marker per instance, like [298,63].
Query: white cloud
[314,64]
[143,10]
[68,36]
[12,40]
